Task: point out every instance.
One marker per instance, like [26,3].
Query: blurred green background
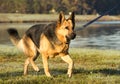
[83,7]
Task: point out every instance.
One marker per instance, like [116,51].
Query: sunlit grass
[16,17]
[91,66]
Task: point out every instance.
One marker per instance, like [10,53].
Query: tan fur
[45,48]
[30,50]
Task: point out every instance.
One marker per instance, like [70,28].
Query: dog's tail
[14,36]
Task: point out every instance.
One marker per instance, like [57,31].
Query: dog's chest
[59,50]
[56,51]
[62,48]
[51,49]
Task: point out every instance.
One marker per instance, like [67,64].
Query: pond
[100,35]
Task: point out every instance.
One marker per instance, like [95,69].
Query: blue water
[100,35]
[100,42]
[107,22]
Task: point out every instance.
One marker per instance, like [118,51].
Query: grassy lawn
[14,17]
[91,66]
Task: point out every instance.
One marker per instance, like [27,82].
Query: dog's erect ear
[72,17]
[61,17]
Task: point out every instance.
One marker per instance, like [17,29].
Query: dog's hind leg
[36,56]
[32,56]
[26,66]
[32,59]
[68,60]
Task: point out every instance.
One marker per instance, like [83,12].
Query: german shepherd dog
[49,40]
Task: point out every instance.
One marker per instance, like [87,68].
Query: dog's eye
[67,28]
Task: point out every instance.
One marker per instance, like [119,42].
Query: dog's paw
[48,75]
[69,75]
[37,69]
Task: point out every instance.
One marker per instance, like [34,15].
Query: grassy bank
[48,17]
[92,66]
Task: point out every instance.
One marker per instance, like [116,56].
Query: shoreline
[29,18]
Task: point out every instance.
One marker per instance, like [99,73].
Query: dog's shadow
[10,74]
[31,72]
[56,72]
[105,71]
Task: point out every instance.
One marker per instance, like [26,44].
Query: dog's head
[66,26]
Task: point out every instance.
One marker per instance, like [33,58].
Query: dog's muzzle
[71,36]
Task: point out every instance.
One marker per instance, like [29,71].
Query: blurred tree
[102,6]
[54,6]
[12,6]
[37,6]
[29,8]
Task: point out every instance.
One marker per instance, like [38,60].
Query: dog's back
[35,32]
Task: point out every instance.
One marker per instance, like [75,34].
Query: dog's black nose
[73,35]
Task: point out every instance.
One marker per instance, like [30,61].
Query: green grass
[92,66]
[15,17]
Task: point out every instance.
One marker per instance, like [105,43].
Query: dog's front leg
[45,64]
[68,60]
